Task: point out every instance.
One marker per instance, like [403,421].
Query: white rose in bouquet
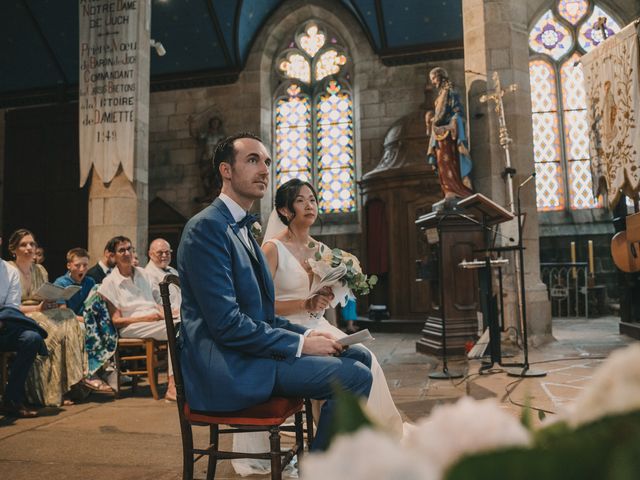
[465,427]
[613,389]
[366,455]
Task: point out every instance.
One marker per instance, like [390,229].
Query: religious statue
[208,139]
[448,152]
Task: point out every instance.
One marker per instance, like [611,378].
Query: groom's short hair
[225,152]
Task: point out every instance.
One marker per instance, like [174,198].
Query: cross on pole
[496,96]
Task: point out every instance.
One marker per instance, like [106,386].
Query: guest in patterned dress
[52,376]
[101,338]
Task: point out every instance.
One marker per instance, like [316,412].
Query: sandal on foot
[96,385]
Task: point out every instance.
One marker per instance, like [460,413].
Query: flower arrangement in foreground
[335,267]
[597,438]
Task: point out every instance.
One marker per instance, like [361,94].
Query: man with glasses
[158,268]
[133,303]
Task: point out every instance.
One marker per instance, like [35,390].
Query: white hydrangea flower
[613,389]
[366,455]
[465,427]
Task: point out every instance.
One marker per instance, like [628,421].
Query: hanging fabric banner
[612,85]
[107,86]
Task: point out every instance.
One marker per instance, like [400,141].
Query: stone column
[496,39]
[121,207]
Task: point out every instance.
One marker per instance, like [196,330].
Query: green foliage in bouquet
[358,282]
[605,449]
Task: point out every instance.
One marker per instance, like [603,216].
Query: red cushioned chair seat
[273,412]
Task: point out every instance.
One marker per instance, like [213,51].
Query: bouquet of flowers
[337,268]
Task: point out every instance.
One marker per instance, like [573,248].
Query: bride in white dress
[286,247]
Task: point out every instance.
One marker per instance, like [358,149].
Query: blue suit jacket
[231,338]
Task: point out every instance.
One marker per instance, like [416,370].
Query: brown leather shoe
[17,410]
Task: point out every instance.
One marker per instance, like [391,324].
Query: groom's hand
[321,343]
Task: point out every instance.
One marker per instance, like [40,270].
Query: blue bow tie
[248,220]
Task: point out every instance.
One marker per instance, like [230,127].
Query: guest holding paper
[52,376]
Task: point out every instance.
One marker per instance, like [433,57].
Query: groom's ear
[225,170]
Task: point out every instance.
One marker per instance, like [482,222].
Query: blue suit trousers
[313,377]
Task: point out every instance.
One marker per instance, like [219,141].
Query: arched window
[560,129]
[314,117]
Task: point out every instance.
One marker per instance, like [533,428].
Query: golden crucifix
[496,96]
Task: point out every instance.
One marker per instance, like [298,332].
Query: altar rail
[566,283]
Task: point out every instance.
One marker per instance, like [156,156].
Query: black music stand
[489,213]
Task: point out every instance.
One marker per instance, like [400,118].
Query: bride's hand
[327,292]
[317,303]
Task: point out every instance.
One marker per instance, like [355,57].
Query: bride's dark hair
[286,196]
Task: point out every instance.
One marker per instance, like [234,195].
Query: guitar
[625,246]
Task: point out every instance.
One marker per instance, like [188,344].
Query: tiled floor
[138,438]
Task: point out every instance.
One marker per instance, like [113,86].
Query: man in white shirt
[134,305]
[16,336]
[158,268]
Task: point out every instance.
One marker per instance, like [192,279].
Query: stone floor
[138,438]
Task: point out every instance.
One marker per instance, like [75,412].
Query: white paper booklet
[358,337]
[53,293]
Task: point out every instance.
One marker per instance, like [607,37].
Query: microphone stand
[523,371]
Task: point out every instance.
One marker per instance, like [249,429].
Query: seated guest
[158,268]
[133,304]
[100,335]
[16,336]
[104,265]
[51,377]
[77,265]
[134,257]
[39,258]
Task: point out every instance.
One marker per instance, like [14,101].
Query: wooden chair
[135,351]
[267,417]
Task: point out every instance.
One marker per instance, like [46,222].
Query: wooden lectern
[454,291]
[456,235]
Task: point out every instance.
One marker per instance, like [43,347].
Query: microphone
[527,180]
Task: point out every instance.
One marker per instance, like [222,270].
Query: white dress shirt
[238,213]
[157,274]
[133,296]
[10,290]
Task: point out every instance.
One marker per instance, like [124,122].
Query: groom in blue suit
[236,352]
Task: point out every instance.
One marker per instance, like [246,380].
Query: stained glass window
[314,118]
[590,37]
[572,10]
[558,100]
[551,37]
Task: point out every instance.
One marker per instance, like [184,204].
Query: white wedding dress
[292,283]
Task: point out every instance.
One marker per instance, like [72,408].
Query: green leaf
[317,256]
[541,415]
[373,280]
[348,415]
